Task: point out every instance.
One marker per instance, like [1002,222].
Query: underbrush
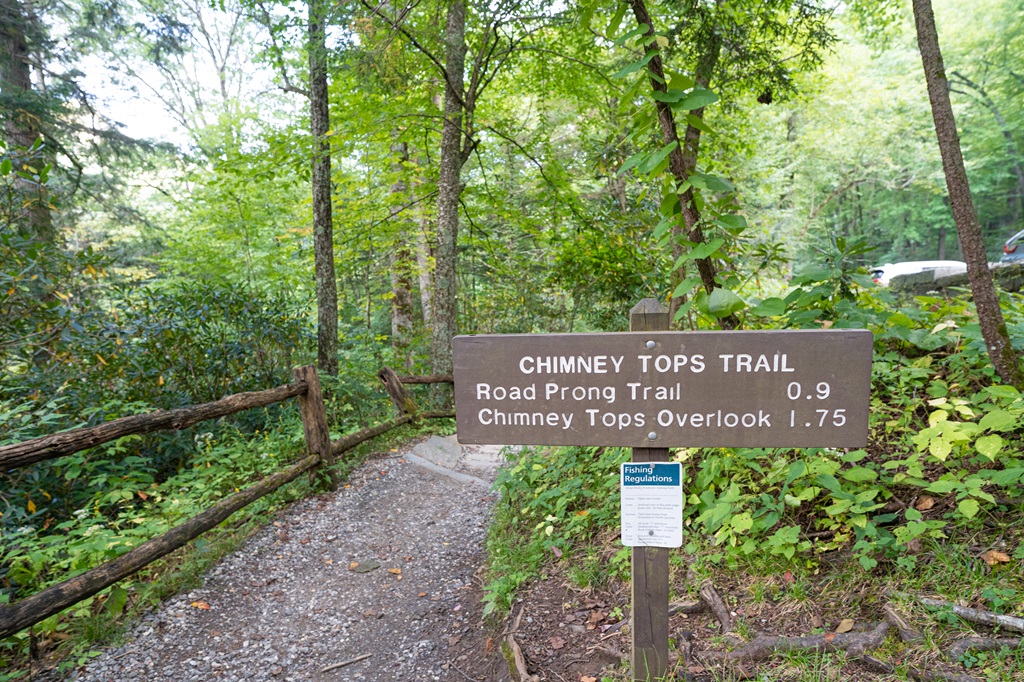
[31,560]
[932,505]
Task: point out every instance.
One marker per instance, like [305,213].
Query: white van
[943,268]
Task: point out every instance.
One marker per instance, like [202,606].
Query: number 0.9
[793,391]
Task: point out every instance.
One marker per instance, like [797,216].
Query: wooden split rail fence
[320,451]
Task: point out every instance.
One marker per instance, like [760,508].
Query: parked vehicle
[883,273]
[1013,249]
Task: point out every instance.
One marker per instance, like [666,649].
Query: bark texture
[323,226]
[449,187]
[401,259]
[972,244]
[21,117]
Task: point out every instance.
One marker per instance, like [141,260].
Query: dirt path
[387,566]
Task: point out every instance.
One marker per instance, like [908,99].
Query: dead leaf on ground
[830,636]
[422,594]
[993,557]
[924,503]
[396,571]
[845,625]
[489,646]
[587,678]
[557,642]
[201,605]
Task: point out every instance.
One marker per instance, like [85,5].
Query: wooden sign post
[649,657]
[650,389]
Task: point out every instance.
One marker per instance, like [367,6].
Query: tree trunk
[323,228]
[683,159]
[21,122]
[448,189]
[401,259]
[972,245]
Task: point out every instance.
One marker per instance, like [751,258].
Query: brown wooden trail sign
[651,389]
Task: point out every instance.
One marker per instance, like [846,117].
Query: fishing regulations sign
[800,388]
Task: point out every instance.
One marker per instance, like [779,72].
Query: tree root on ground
[853,643]
[938,676]
[709,595]
[980,616]
[907,633]
[982,644]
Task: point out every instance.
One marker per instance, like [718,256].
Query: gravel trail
[293,600]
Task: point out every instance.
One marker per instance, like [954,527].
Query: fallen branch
[907,633]
[853,643]
[350,661]
[687,607]
[519,661]
[938,676]
[876,665]
[982,644]
[977,615]
[709,595]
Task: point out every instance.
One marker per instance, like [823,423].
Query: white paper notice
[652,504]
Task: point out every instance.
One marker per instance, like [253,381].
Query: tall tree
[972,244]
[317,15]
[19,28]
[323,226]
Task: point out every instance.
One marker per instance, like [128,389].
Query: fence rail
[320,451]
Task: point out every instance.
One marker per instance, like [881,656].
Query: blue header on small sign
[669,473]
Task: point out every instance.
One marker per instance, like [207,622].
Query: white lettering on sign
[570,364]
[665,389]
[489,417]
[762,364]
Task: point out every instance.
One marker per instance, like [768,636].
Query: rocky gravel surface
[387,566]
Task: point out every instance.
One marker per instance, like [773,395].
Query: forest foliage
[150,274]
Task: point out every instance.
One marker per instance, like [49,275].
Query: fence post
[650,564]
[396,389]
[314,420]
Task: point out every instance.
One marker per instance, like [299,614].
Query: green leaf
[999,420]
[6,166]
[698,123]
[723,302]
[715,183]
[116,600]
[685,286]
[1008,477]
[968,507]
[989,445]
[632,161]
[587,13]
[859,474]
[706,249]
[742,522]
[657,157]
[913,515]
[1003,391]
[770,307]
[734,223]
[639,30]
[940,448]
[616,20]
[663,226]
[697,99]
[669,96]
[942,487]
